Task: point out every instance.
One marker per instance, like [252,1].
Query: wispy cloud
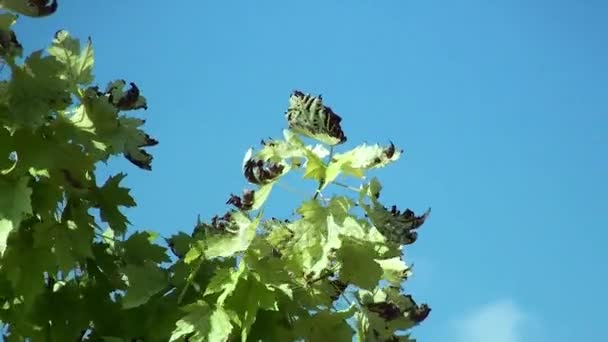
[499,321]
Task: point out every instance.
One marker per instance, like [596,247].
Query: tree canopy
[71,269]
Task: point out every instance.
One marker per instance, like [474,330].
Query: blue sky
[501,107]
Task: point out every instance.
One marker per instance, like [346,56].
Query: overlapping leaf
[39,75]
[202,323]
[78,63]
[362,158]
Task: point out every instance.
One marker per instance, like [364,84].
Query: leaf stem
[346,186]
[189,282]
[290,189]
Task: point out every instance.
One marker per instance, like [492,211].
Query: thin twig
[346,186]
[189,281]
[290,189]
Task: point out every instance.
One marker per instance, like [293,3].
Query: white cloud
[499,321]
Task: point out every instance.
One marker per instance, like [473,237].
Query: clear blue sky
[501,107]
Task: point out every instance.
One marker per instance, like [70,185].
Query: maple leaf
[179,244]
[326,325]
[70,243]
[24,266]
[357,263]
[396,226]
[111,196]
[249,296]
[202,323]
[226,245]
[143,282]
[315,239]
[15,205]
[41,76]
[388,311]
[139,249]
[395,271]
[78,64]
[362,158]
[98,125]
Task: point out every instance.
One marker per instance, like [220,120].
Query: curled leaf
[219,224]
[31,8]
[308,116]
[260,172]
[125,100]
[243,203]
[138,156]
[115,133]
[9,45]
[386,310]
[396,226]
[419,313]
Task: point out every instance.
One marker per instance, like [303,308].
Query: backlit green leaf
[144,282]
[78,64]
[15,204]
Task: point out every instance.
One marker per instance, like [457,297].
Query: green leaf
[279,150]
[361,159]
[202,323]
[24,265]
[315,167]
[395,271]
[195,252]
[224,281]
[139,248]
[97,124]
[339,207]
[226,245]
[7,20]
[358,265]
[243,304]
[43,154]
[41,76]
[328,326]
[46,196]
[78,64]
[144,282]
[398,227]
[388,311]
[111,196]
[315,238]
[265,262]
[276,326]
[70,243]
[260,195]
[179,244]
[15,204]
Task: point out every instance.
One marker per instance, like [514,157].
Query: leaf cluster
[70,270]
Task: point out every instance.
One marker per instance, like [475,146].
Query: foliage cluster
[69,270]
